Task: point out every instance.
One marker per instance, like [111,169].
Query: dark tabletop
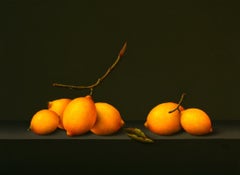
[17,130]
[182,153]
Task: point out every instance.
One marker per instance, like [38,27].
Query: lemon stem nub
[91,91]
[179,103]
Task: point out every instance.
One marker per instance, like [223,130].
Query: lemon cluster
[162,120]
[77,116]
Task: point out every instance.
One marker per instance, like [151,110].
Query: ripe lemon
[162,122]
[59,106]
[79,116]
[44,122]
[108,121]
[196,122]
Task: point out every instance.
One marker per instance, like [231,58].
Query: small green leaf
[135,131]
[138,135]
[140,139]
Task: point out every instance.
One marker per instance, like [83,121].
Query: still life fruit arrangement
[82,115]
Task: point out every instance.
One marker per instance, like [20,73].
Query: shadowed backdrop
[173,47]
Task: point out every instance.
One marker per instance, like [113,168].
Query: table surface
[18,130]
[217,153]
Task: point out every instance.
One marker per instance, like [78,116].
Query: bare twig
[179,103]
[99,80]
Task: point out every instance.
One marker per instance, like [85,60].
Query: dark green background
[173,47]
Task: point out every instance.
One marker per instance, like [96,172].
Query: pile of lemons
[81,115]
[77,116]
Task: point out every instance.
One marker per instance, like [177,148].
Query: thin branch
[179,103]
[99,80]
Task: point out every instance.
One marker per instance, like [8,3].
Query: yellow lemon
[59,106]
[44,122]
[79,116]
[108,121]
[196,122]
[163,122]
